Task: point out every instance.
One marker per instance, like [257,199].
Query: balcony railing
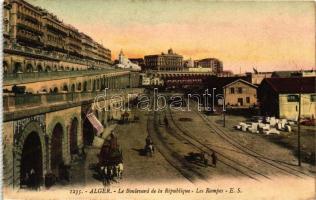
[48,54]
[24,101]
[19,78]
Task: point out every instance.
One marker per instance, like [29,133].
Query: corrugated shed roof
[292,85]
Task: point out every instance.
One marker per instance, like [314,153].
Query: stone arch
[48,69]
[73,88]
[94,85]
[62,68]
[5,67]
[32,127]
[17,67]
[56,143]
[55,68]
[79,86]
[40,68]
[98,84]
[31,161]
[65,87]
[58,120]
[29,67]
[85,86]
[55,90]
[73,135]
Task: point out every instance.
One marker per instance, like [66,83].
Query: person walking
[214,158]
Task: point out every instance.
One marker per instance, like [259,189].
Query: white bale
[291,122]
[267,132]
[254,126]
[267,126]
[279,126]
[274,131]
[272,121]
[261,125]
[244,128]
[288,128]
[242,123]
[283,121]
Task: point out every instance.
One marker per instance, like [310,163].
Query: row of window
[295,98]
[238,90]
[25,10]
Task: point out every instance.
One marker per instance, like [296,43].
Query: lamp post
[298,122]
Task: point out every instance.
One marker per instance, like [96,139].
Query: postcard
[164,99]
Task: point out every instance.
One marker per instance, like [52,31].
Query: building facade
[54,78]
[240,93]
[280,97]
[257,78]
[38,30]
[168,62]
[212,63]
[125,63]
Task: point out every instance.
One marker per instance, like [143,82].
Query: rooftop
[292,85]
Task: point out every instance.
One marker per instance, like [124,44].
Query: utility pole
[298,123]
[224,109]
[224,118]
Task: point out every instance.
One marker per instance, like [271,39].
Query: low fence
[12,102]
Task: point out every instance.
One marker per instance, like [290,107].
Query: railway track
[224,159]
[222,134]
[176,160]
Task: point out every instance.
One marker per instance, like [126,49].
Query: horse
[119,170]
[104,175]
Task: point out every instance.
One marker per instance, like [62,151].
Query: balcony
[19,78]
[22,102]
[15,48]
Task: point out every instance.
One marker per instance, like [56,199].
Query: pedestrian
[166,121]
[32,180]
[214,158]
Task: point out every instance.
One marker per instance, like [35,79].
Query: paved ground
[139,167]
[240,154]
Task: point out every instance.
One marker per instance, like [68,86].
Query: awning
[95,123]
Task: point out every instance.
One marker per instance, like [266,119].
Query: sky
[265,35]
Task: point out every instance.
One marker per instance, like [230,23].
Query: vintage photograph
[161,99]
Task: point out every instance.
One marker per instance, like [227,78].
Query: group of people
[31,180]
[205,158]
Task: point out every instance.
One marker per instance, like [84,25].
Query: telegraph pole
[224,118]
[298,123]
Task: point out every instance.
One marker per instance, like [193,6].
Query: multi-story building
[55,33]
[6,19]
[34,29]
[213,63]
[170,61]
[26,26]
[50,107]
[257,77]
